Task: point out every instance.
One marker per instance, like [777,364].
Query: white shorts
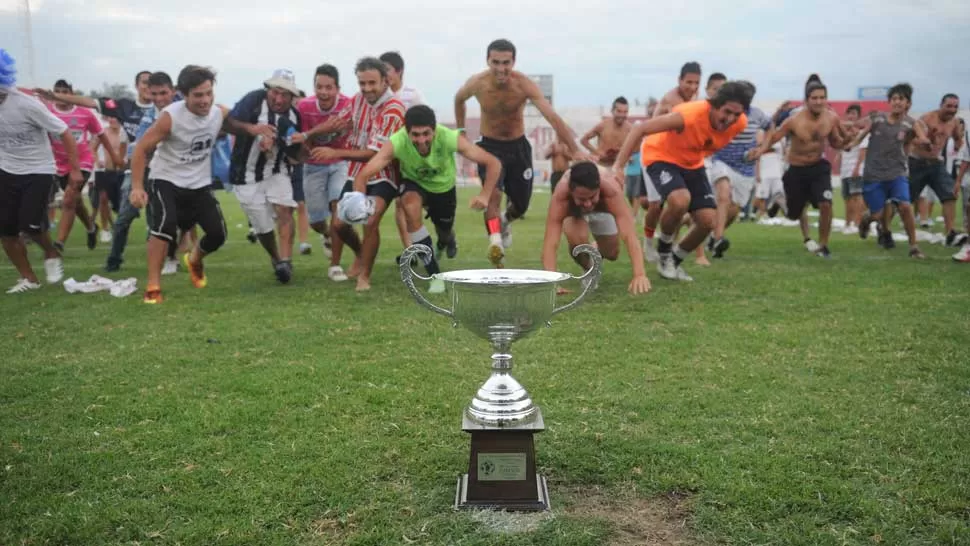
[653,196]
[257,200]
[741,185]
[601,224]
[768,188]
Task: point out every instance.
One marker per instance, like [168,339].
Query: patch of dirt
[636,521]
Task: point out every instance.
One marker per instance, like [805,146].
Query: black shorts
[556,177]
[441,207]
[62,180]
[23,203]
[110,183]
[926,172]
[807,184]
[516,177]
[296,179]
[172,208]
[667,177]
[383,189]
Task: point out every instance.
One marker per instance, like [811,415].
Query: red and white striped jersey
[373,125]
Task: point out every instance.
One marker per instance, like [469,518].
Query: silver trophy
[502,306]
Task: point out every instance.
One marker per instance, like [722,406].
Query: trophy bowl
[502,306]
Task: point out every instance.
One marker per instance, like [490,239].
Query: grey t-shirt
[886,156]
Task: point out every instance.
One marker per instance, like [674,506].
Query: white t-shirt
[25,124]
[409,96]
[184,158]
[851,158]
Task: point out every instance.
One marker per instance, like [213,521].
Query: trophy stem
[502,402]
[502,362]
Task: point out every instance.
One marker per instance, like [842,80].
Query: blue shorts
[877,193]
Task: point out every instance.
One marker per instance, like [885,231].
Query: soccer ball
[355,207]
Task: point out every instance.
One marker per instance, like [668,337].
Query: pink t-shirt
[84,124]
[311,115]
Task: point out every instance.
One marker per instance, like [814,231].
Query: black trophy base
[502,468]
[540,504]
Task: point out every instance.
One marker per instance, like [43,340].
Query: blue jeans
[119,232]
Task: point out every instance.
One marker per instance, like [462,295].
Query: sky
[595,50]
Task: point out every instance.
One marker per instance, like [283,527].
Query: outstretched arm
[376,163]
[461,97]
[563,131]
[594,132]
[771,140]
[158,132]
[493,169]
[667,122]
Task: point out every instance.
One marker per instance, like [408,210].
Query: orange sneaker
[196,272]
[153,296]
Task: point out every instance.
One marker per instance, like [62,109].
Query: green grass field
[779,399]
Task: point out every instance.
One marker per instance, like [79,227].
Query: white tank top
[184,158]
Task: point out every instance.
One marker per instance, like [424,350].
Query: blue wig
[8,73]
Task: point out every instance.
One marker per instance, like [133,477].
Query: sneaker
[327,246]
[450,248]
[196,272]
[666,266]
[823,252]
[251,236]
[59,246]
[710,243]
[964,254]
[956,239]
[336,273]
[437,286]
[886,240]
[811,246]
[152,297]
[650,253]
[916,253]
[93,239]
[283,270]
[720,247]
[112,267]
[171,266]
[506,234]
[105,236]
[849,228]
[683,276]
[305,249]
[864,226]
[496,255]
[23,285]
[54,267]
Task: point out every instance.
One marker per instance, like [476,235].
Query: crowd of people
[336,163]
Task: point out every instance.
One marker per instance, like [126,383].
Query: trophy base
[539,504]
[502,468]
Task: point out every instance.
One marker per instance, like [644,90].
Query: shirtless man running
[927,169]
[502,93]
[609,134]
[558,155]
[589,201]
[809,175]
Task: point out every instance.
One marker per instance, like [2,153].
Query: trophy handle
[589,280]
[408,275]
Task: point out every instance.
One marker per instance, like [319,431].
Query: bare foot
[355,269]
[363,284]
[703,261]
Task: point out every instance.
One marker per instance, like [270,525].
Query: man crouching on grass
[588,202]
